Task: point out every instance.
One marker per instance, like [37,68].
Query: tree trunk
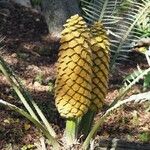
[56,12]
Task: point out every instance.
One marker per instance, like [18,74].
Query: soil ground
[29,53]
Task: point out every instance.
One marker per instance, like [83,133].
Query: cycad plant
[82,71]
[83,68]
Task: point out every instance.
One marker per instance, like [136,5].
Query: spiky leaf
[120,18]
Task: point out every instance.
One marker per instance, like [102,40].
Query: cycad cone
[82,68]
[100,56]
[74,70]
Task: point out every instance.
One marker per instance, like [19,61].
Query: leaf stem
[86,123]
[71,131]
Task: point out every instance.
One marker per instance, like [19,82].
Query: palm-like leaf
[120,18]
[138,74]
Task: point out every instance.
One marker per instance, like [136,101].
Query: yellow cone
[74,70]
[100,54]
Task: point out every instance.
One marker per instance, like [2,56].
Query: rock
[116,144]
[25,3]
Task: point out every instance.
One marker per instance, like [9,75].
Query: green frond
[120,19]
[138,73]
[135,78]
